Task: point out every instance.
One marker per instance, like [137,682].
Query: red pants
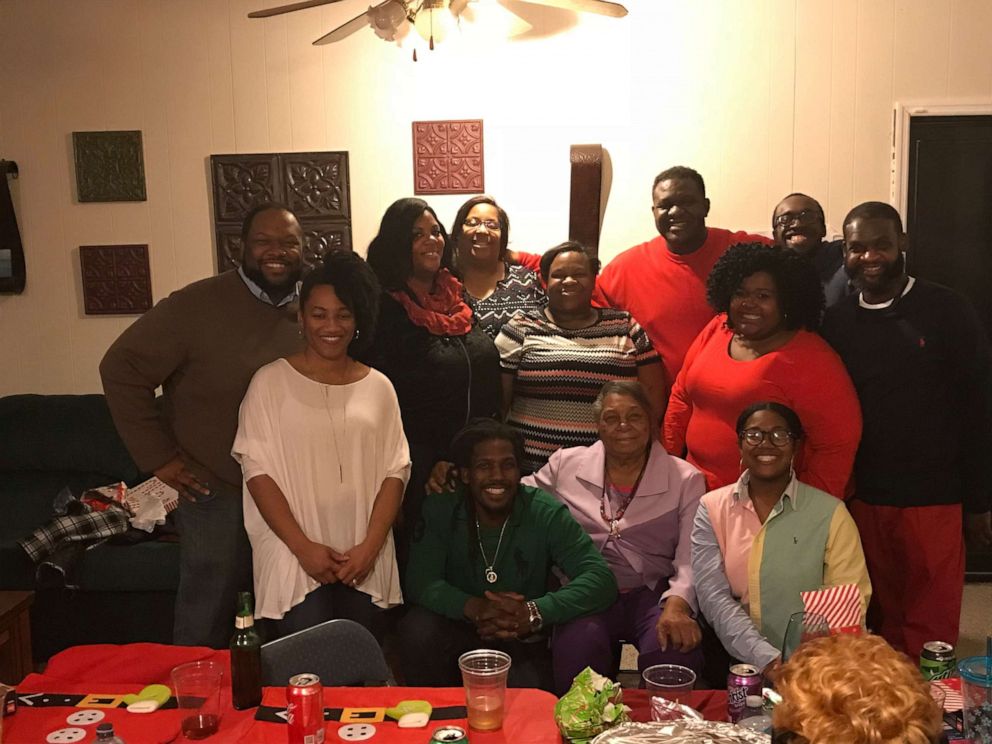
[915,559]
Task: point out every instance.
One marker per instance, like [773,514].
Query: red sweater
[806,374]
[665,291]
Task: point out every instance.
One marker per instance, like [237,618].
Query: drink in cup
[484,676]
[197,687]
[669,681]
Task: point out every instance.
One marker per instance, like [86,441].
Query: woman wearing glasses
[758,543]
[494,288]
[444,368]
[763,345]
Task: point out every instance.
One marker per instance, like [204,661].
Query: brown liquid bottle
[246,657]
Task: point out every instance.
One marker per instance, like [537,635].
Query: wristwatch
[534,619]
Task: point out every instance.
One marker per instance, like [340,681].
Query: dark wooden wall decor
[116,279]
[12,271]
[110,166]
[448,157]
[584,209]
[313,184]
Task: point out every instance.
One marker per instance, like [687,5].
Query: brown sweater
[202,344]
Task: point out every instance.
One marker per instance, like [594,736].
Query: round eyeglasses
[778,437]
[473,222]
[806,217]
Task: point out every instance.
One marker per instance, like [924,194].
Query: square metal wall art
[116,279]
[110,166]
[448,157]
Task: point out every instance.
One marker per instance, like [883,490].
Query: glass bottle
[246,657]
[105,734]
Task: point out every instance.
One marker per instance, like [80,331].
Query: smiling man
[662,282]
[479,571]
[202,344]
[798,223]
[919,360]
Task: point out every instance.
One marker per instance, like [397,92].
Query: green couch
[126,592]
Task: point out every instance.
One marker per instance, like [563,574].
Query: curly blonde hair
[854,689]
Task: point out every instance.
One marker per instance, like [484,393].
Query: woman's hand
[320,562]
[442,478]
[357,563]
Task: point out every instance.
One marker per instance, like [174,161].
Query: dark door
[949,219]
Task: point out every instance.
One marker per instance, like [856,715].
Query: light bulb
[434,21]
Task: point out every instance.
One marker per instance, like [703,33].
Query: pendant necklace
[614,519]
[491,575]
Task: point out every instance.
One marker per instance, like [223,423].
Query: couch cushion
[62,432]
[146,567]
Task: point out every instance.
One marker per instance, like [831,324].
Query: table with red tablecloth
[110,671]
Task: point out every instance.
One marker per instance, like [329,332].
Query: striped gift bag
[840,605]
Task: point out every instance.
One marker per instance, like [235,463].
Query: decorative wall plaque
[116,279]
[448,157]
[110,166]
[584,209]
[312,184]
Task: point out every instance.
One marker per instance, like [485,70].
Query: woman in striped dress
[556,359]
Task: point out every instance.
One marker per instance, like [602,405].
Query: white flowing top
[328,448]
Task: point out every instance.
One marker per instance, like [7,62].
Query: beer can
[937,660]
[448,734]
[305,709]
[742,681]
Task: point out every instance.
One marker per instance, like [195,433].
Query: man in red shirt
[662,282]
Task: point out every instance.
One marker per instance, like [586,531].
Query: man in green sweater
[481,563]
[202,344]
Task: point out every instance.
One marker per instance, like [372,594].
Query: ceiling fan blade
[290,8]
[346,29]
[601,7]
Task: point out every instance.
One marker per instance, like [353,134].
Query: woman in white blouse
[325,463]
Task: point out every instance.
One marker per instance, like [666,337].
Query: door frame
[902,116]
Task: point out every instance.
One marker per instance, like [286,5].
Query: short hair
[462,215]
[569,246]
[791,418]
[800,294]
[257,210]
[819,207]
[390,252]
[630,388]
[355,285]
[875,210]
[483,430]
[854,689]
[681,172]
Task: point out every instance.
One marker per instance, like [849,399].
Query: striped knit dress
[559,372]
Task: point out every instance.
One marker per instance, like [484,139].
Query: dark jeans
[328,602]
[214,565]
[594,640]
[430,645]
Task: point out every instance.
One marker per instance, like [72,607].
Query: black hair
[355,285]
[390,253]
[791,418]
[462,215]
[874,210]
[819,207]
[800,294]
[569,246]
[482,430]
[681,172]
[257,210]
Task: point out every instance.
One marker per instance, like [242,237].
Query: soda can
[937,660]
[305,709]
[743,680]
[448,734]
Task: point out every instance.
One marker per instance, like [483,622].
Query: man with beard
[202,344]
[479,571]
[662,282]
[919,359]
[798,223]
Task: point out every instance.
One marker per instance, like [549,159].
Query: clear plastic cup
[484,676]
[670,681]
[976,689]
[197,687]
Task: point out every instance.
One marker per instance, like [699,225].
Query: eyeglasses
[806,217]
[614,421]
[778,437]
[473,222]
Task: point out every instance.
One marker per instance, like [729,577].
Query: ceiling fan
[391,19]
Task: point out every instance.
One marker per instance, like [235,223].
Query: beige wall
[763,97]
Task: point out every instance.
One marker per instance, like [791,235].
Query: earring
[358,332]
[300,331]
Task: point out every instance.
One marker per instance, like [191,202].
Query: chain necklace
[491,575]
[328,406]
[614,519]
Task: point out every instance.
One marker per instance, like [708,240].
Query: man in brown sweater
[202,344]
